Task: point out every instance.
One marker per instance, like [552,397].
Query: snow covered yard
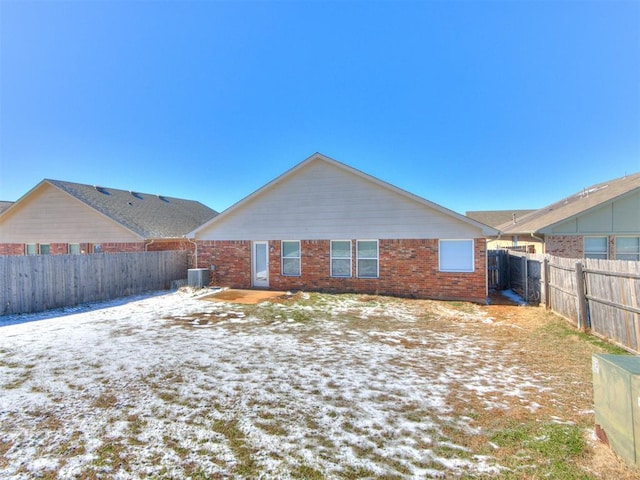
[317,386]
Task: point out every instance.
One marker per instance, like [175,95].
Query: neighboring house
[4,205]
[325,226]
[602,221]
[496,218]
[58,217]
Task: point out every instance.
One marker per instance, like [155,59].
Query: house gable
[47,214]
[586,211]
[321,198]
[620,216]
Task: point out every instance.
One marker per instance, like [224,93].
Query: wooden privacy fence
[597,295]
[41,282]
[518,271]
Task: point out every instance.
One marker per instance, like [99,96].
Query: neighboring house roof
[309,211]
[147,215]
[5,205]
[577,204]
[495,218]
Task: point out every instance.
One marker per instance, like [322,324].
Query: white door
[260,264]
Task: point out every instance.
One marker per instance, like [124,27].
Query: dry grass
[540,431]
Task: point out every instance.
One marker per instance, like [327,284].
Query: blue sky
[472,105]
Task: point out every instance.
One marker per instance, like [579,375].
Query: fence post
[525,277]
[583,323]
[545,289]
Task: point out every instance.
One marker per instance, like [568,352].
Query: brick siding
[572,246]
[407,268]
[232,261]
[12,248]
[111,247]
[568,246]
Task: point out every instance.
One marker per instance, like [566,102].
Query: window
[97,248]
[74,249]
[367,258]
[30,249]
[291,258]
[44,249]
[340,258]
[628,248]
[456,256]
[596,247]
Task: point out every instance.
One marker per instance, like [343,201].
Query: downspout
[146,245]
[541,240]
[195,251]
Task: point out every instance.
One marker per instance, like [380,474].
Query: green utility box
[616,396]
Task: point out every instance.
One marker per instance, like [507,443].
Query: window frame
[462,269]
[30,246]
[47,247]
[636,253]
[332,258]
[376,258]
[70,245]
[283,257]
[585,253]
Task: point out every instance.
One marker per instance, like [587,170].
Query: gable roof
[147,215]
[495,218]
[574,205]
[318,157]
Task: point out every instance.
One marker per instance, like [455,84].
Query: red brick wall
[407,268]
[63,248]
[58,248]
[12,248]
[164,245]
[568,246]
[232,261]
[572,246]
[121,247]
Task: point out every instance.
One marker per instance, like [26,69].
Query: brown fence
[612,289]
[596,295]
[41,282]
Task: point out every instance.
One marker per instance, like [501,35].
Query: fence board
[562,287]
[600,295]
[613,288]
[40,282]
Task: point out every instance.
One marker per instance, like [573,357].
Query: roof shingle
[148,215]
[574,205]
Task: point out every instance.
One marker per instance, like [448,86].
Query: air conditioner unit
[616,397]
[198,277]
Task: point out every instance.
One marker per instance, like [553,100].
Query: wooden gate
[497,270]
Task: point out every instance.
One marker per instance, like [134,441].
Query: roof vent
[135,194]
[101,189]
[164,199]
[587,191]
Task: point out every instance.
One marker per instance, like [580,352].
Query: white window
[30,249]
[74,249]
[340,258]
[291,258]
[44,249]
[628,248]
[596,247]
[367,258]
[456,256]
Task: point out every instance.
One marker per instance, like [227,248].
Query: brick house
[57,217]
[602,221]
[324,226]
